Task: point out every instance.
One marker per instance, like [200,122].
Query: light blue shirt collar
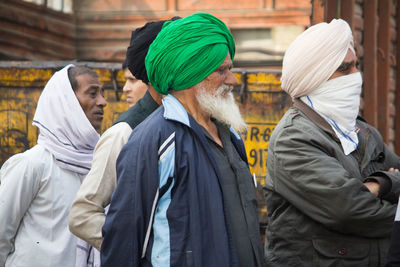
[173,110]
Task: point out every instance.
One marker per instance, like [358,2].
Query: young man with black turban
[185,195]
[87,213]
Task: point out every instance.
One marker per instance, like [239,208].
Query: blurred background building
[99,30]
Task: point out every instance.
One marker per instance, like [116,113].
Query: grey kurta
[240,199]
[319,211]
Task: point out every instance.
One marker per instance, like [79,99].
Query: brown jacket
[319,211]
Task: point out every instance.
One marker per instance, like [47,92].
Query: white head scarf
[65,130]
[314,56]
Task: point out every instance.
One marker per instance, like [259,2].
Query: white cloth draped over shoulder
[65,130]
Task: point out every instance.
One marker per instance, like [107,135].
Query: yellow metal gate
[258,93]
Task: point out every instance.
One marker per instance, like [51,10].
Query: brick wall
[104,27]
[30,31]
[99,30]
[392,76]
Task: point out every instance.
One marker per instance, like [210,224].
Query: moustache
[223,89]
[99,112]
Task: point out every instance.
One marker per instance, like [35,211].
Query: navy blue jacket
[167,209]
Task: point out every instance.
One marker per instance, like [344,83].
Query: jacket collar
[173,110]
[147,102]
[314,117]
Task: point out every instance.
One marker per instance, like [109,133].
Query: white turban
[314,56]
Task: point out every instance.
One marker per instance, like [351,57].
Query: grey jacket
[319,211]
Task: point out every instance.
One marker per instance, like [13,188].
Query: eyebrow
[345,65]
[227,66]
[94,86]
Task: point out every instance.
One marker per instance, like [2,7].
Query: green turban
[186,51]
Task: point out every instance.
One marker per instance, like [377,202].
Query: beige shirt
[87,214]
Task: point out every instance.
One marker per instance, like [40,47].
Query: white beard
[222,108]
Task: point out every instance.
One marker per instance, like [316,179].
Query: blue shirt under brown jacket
[168,207]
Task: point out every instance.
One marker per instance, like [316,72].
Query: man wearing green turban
[185,52]
[185,195]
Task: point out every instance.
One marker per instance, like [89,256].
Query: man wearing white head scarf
[38,186]
[331,186]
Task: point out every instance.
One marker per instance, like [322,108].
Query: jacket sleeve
[317,184]
[131,203]
[393,257]
[19,186]
[391,161]
[87,214]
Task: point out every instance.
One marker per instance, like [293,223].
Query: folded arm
[318,185]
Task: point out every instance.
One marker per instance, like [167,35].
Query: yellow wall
[259,95]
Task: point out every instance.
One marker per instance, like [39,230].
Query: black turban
[141,39]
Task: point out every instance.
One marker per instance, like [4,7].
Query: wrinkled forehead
[227,62]
[87,80]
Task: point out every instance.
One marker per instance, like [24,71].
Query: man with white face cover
[331,186]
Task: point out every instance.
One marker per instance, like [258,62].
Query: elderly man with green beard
[185,195]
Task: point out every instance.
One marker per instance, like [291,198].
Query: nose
[231,79]
[354,69]
[125,88]
[101,101]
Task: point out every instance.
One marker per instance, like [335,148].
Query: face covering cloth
[186,51]
[314,56]
[65,131]
[338,101]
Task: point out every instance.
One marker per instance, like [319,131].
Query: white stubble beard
[222,108]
